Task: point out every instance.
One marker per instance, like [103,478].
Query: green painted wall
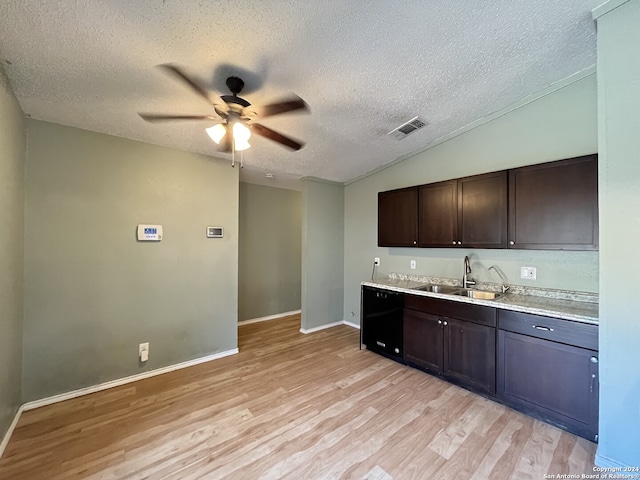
[619,141]
[270,257]
[561,124]
[92,293]
[322,253]
[12,156]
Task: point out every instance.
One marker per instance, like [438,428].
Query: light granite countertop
[568,305]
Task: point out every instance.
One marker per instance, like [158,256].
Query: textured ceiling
[364,67]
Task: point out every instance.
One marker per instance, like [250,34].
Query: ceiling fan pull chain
[233,152]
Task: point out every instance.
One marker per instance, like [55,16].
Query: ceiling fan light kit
[235,114]
[241,135]
[217,132]
[239,132]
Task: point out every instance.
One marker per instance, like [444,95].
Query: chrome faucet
[502,276]
[467,281]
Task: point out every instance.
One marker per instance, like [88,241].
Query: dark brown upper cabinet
[466,212]
[438,214]
[554,206]
[398,218]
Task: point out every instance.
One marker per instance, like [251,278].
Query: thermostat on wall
[215,232]
[149,233]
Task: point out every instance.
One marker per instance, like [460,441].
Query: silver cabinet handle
[454,242]
[439,322]
[593,377]
[397,350]
[414,242]
[445,323]
[512,242]
[380,344]
[546,329]
[594,359]
[459,243]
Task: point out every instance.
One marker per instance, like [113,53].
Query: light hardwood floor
[290,406]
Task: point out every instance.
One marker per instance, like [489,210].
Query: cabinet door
[398,218]
[438,214]
[555,381]
[554,206]
[482,210]
[470,354]
[423,334]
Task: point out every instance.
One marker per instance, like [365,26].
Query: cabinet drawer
[460,310]
[557,330]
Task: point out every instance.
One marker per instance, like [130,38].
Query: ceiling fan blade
[152,117]
[211,97]
[275,136]
[288,104]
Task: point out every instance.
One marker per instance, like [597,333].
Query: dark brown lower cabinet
[470,354]
[424,340]
[549,380]
[459,350]
[543,366]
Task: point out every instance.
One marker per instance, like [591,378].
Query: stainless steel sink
[479,294]
[438,288]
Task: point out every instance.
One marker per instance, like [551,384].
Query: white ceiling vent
[407,128]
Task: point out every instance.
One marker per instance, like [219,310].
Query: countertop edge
[500,303]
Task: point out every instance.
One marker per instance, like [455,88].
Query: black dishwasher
[381,322]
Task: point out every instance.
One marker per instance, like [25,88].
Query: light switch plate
[143,351]
[413,264]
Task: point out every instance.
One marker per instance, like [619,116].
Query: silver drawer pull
[380,344]
[546,329]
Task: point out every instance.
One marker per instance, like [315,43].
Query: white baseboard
[613,465]
[9,432]
[321,327]
[269,317]
[351,324]
[123,381]
[329,325]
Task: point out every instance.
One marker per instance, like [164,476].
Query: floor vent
[407,128]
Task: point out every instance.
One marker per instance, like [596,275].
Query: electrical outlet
[143,351]
[376,261]
[528,272]
[413,264]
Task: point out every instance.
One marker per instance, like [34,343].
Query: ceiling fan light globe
[217,132]
[240,132]
[241,145]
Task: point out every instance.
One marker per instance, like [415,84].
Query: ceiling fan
[233,118]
